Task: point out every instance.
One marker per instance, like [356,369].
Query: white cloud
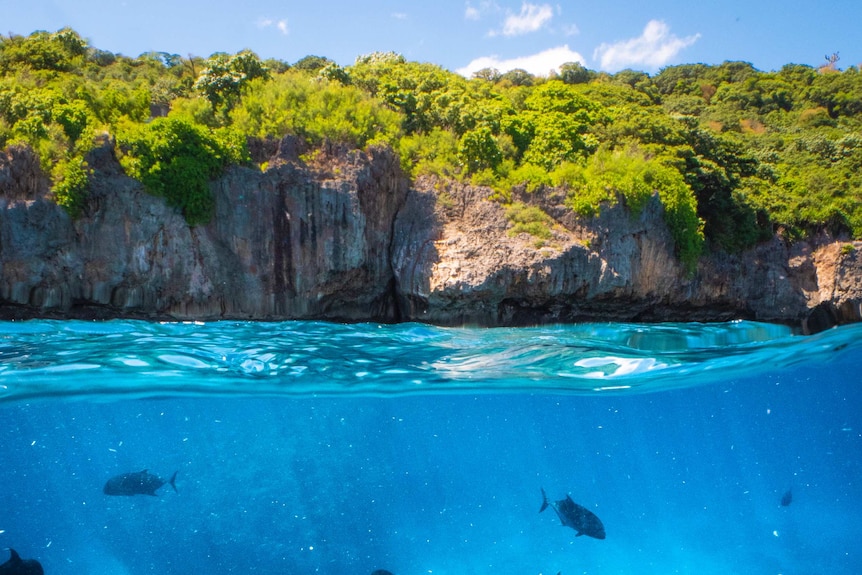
[652,49]
[281,25]
[531,18]
[539,64]
[475,11]
[571,30]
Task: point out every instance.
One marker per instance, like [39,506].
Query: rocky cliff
[346,237]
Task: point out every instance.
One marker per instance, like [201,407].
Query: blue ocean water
[308,447]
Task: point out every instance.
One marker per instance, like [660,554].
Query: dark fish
[787,498]
[579,518]
[140,483]
[18,566]
[381,572]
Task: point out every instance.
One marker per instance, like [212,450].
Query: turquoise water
[307,447]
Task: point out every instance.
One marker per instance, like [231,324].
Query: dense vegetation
[733,153]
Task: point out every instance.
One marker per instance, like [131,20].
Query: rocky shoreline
[348,238]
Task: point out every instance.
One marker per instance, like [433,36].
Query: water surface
[307,447]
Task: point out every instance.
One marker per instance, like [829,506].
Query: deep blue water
[307,447]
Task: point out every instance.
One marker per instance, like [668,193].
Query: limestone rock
[344,237]
[293,242]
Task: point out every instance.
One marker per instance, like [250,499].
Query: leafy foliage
[294,103]
[225,75]
[73,179]
[60,51]
[732,153]
[433,153]
[176,159]
[529,220]
[628,174]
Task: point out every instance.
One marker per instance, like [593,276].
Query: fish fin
[579,533]
[544,500]
[14,558]
[173,481]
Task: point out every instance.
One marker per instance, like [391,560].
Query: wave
[47,358]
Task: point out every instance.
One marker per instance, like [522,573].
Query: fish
[18,566]
[139,483]
[579,518]
[381,572]
[787,498]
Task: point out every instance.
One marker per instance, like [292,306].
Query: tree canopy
[733,153]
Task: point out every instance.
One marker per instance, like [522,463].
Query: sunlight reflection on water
[289,358]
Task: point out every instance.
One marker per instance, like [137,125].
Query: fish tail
[544,500]
[173,481]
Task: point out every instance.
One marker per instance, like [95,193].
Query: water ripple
[107,359]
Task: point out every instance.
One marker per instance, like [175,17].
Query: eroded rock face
[346,239]
[461,265]
[292,242]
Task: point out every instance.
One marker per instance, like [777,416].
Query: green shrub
[175,159]
[196,109]
[293,103]
[529,219]
[479,150]
[531,176]
[72,179]
[609,175]
[431,153]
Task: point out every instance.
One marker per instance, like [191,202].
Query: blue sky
[466,35]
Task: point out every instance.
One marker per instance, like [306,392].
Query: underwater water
[310,447]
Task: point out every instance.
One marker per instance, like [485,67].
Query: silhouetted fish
[381,572]
[140,483]
[787,498]
[579,518]
[18,566]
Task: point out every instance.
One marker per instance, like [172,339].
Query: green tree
[312,64]
[576,73]
[555,121]
[332,72]
[488,75]
[74,117]
[517,77]
[60,51]
[479,150]
[224,76]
